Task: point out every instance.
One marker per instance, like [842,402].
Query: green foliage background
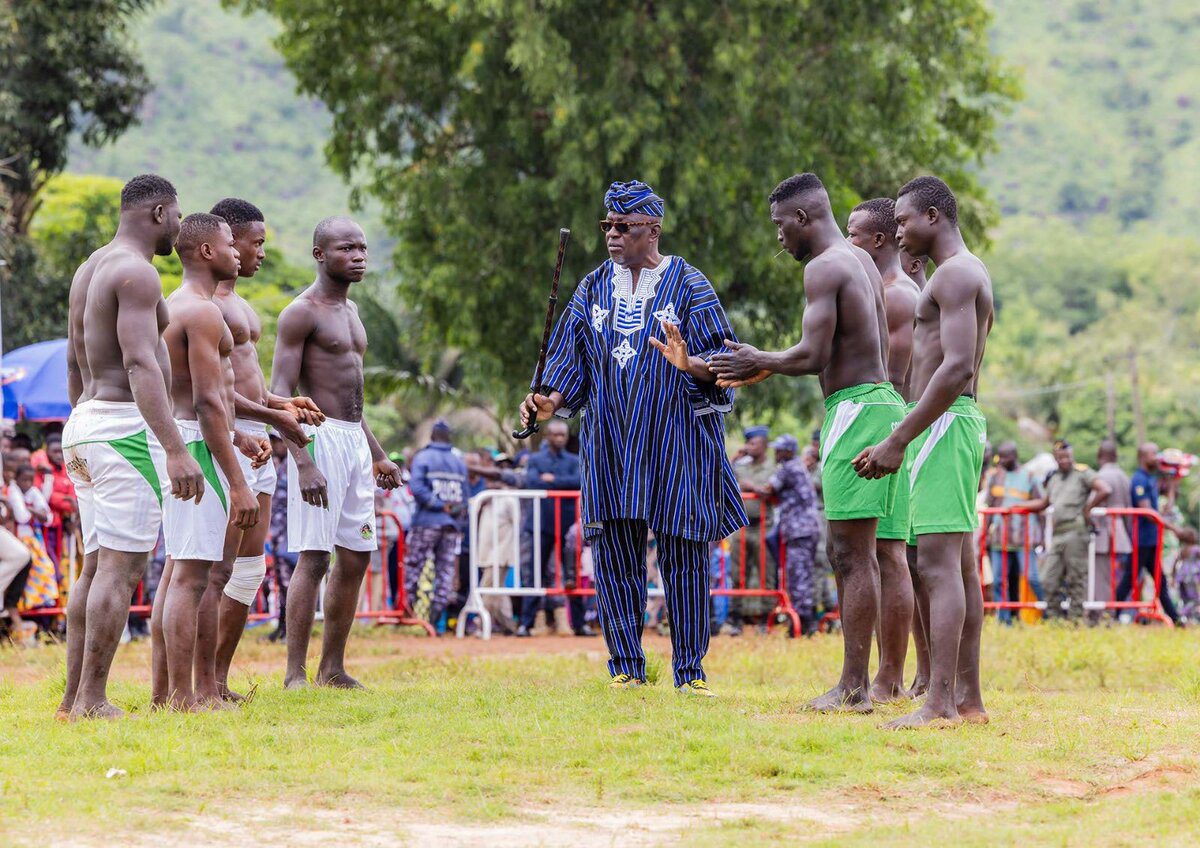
[1095,175]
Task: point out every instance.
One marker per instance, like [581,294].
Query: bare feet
[228,694]
[885,693]
[338,680]
[973,713]
[840,700]
[213,705]
[103,709]
[925,717]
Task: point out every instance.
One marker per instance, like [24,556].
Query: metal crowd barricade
[499,584]
[1142,608]
[263,608]
[990,515]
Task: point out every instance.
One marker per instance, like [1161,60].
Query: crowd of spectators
[1039,550]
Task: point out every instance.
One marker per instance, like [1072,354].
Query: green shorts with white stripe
[856,418]
[945,464]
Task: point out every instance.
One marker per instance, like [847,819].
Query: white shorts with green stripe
[119,469]
[196,531]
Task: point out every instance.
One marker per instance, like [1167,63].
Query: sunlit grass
[1097,730]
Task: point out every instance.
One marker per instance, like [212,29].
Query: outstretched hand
[737,365]
[675,348]
[749,381]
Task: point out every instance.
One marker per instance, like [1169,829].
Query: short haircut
[930,191]
[197,229]
[325,227]
[24,468]
[881,215]
[793,185]
[54,437]
[147,189]
[237,212]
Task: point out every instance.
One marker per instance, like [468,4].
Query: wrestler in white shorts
[119,470]
[341,452]
[196,531]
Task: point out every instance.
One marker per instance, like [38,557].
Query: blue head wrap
[633,197]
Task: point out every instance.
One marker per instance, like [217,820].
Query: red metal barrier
[1142,609]
[385,613]
[990,515]
[737,589]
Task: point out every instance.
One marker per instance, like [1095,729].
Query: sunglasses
[622,227]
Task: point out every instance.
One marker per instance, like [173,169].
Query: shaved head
[332,227]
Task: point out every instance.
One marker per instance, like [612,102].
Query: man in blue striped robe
[630,353]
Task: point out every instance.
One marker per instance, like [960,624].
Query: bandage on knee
[247,576]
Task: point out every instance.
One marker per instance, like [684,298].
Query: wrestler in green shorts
[857,418]
[945,463]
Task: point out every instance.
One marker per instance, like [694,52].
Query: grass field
[1094,740]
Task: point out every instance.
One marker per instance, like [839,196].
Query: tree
[485,125]
[64,67]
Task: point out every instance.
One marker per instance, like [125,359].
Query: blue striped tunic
[652,438]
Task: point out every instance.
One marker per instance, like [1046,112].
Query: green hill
[224,119]
[1110,123]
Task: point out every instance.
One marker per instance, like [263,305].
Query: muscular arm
[138,337]
[377,454]
[955,296]
[812,354]
[295,324]
[74,378]
[203,328]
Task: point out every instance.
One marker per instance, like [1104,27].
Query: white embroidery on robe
[667,315]
[629,305]
[598,316]
[623,353]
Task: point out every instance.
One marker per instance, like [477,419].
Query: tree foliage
[1074,305]
[484,125]
[64,67]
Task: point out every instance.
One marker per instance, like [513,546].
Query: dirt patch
[1155,773]
[581,827]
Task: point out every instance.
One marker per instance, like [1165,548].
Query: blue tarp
[35,382]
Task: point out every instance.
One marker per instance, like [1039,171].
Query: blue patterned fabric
[619,554]
[633,197]
[652,439]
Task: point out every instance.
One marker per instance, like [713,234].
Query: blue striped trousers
[619,555]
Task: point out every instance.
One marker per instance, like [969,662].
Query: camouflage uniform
[799,529]
[439,544]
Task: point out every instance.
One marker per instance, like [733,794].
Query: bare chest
[241,320]
[339,334]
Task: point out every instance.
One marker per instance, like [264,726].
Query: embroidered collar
[647,280]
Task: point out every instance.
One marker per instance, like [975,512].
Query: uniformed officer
[1073,491]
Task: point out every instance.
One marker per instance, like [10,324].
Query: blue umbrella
[35,382]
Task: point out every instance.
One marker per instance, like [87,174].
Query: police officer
[439,486]
[1073,491]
